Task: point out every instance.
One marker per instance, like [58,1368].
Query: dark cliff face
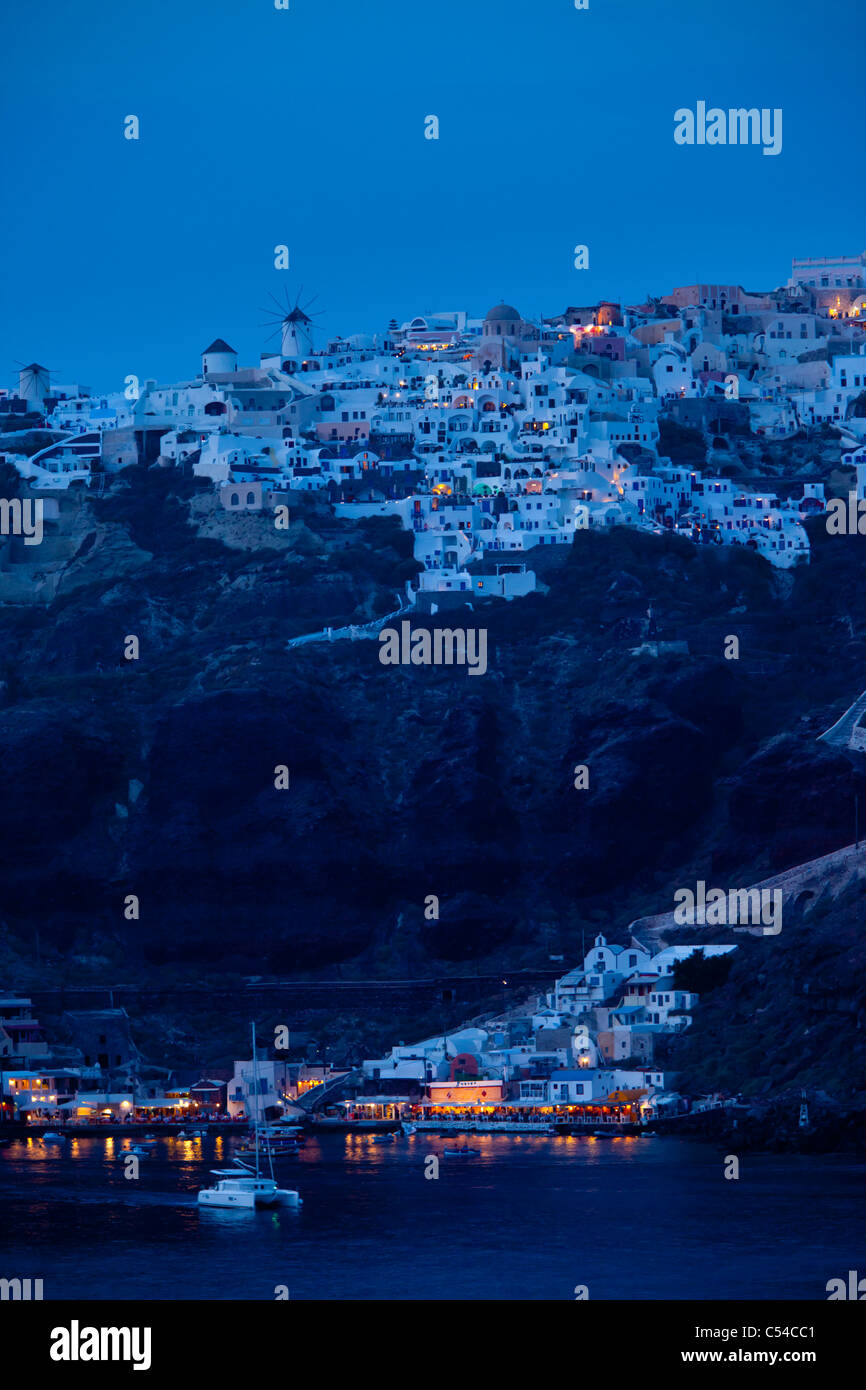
[156,777]
[791,1012]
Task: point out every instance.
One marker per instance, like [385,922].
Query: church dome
[501,312]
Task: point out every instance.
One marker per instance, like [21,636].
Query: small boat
[270,1139]
[52,1137]
[408,1128]
[239,1188]
[384,1138]
[277,1150]
[460,1153]
[282,1134]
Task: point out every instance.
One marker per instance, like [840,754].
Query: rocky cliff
[155,777]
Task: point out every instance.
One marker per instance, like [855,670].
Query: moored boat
[278,1148]
[241,1187]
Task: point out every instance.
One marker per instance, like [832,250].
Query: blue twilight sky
[306,127]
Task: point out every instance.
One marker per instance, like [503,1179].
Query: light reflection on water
[528,1217]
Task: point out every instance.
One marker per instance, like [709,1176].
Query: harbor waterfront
[526,1217]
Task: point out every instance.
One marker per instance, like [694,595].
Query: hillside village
[584,1052]
[489,437]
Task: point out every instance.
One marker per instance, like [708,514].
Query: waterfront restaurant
[479,1092]
[95,1106]
[174,1105]
[208,1097]
[35,1095]
[369,1108]
[618,1109]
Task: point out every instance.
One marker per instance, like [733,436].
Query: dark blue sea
[530,1217]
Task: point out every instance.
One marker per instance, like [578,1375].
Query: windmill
[294,325]
[34,383]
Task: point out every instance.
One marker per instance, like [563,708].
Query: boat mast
[255,1097]
[256,1113]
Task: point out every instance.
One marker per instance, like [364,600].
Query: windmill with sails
[294,324]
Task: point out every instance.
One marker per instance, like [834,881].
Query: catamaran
[241,1186]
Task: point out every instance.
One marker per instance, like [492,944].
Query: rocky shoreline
[773,1127]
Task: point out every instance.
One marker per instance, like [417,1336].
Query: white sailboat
[241,1187]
